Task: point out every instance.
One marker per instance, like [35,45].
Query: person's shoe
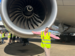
[2,42]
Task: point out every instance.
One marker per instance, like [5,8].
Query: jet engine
[21,17]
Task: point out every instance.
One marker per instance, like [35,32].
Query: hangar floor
[34,49]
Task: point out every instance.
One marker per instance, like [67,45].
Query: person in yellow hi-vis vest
[9,35]
[3,35]
[9,38]
[14,37]
[46,40]
[0,35]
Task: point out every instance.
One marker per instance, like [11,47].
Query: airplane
[21,17]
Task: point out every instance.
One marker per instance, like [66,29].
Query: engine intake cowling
[21,17]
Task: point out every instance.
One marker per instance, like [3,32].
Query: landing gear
[65,36]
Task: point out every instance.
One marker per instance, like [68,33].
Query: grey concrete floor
[34,49]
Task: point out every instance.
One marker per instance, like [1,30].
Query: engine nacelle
[21,17]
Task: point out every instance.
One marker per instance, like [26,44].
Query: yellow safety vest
[0,36]
[45,40]
[3,35]
[9,35]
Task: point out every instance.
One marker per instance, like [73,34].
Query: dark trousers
[13,39]
[2,40]
[25,40]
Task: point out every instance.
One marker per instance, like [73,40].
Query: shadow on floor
[19,50]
